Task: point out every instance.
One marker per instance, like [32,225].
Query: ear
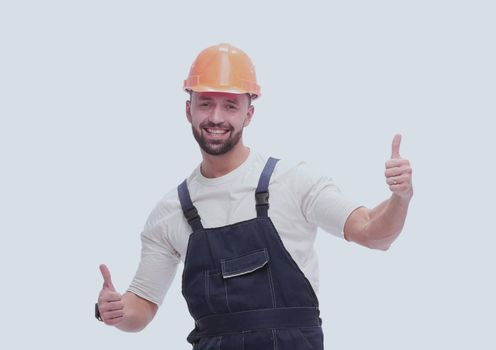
[249,115]
[188,110]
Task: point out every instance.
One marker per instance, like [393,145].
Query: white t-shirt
[300,202]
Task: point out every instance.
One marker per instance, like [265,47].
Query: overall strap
[189,210]
[262,193]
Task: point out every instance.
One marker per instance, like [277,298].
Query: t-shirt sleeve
[322,202]
[157,267]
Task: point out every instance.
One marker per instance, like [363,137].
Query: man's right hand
[110,301]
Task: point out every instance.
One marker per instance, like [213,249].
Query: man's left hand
[398,172]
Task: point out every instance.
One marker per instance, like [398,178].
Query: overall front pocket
[248,281]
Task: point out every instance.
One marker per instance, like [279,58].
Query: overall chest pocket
[243,283]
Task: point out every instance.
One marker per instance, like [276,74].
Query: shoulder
[169,207]
[296,172]
[285,167]
[165,209]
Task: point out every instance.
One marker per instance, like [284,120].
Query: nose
[216,115]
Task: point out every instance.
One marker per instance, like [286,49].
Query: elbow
[129,330]
[133,324]
[382,244]
[139,312]
[137,329]
[383,247]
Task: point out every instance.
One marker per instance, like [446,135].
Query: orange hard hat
[223,68]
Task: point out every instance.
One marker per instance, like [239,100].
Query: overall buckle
[262,198]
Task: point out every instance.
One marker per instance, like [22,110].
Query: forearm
[378,227]
[386,222]
[138,312]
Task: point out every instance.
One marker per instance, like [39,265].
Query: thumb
[107,280]
[395,148]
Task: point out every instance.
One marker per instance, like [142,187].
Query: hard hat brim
[232,90]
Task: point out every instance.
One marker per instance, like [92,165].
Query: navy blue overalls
[242,287]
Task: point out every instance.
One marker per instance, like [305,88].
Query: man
[250,272]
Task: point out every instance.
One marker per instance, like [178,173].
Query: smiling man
[217,120]
[244,226]
[218,125]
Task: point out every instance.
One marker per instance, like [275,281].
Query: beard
[216,147]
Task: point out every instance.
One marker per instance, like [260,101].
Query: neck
[216,166]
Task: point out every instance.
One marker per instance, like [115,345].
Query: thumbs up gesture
[398,172]
[110,301]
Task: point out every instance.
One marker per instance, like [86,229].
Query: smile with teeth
[217,131]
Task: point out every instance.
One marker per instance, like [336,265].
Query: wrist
[403,198]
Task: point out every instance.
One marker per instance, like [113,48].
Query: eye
[231,107]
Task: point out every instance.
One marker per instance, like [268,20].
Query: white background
[93,133]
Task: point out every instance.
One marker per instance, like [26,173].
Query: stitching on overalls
[271,283]
[207,291]
[274,339]
[227,299]
[304,338]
